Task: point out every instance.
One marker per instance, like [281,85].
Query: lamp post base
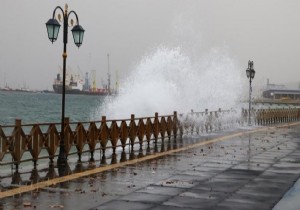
[62,159]
[62,163]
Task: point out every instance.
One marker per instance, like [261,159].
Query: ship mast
[108,75]
[94,80]
[117,82]
[4,80]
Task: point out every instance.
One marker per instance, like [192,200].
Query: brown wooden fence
[101,135]
[273,116]
[105,134]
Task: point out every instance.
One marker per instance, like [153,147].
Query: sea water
[33,107]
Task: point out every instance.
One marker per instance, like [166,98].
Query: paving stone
[190,202]
[252,166]
[253,192]
[212,196]
[145,197]
[161,190]
[231,205]
[202,175]
[280,176]
[259,159]
[291,159]
[166,207]
[238,174]
[181,181]
[214,165]
[222,185]
[253,198]
[209,169]
[267,189]
[273,180]
[290,170]
[124,205]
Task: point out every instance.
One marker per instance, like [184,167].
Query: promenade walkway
[245,169]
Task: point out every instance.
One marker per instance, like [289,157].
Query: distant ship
[75,85]
[24,89]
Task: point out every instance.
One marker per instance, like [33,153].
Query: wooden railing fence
[101,135]
[110,134]
[272,116]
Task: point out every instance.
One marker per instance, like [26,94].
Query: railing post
[210,121]
[180,126]
[17,143]
[192,121]
[156,127]
[175,125]
[219,118]
[18,123]
[206,120]
[103,122]
[132,136]
[132,133]
[67,138]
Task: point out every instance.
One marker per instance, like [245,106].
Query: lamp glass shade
[252,73]
[78,33]
[248,73]
[52,29]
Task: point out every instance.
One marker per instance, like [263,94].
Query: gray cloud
[266,32]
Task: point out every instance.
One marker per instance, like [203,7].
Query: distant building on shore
[275,91]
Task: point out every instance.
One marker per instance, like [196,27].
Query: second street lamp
[78,32]
[250,74]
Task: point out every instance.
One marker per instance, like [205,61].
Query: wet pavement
[253,170]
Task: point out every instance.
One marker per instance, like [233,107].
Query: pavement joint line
[44,184]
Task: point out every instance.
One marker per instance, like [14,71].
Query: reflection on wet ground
[45,171]
[245,172]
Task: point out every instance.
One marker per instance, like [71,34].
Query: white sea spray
[166,80]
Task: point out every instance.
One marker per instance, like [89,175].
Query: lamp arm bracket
[72,11]
[58,7]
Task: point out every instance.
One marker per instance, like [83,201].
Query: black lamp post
[250,74]
[78,32]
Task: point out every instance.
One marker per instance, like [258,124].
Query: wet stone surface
[252,171]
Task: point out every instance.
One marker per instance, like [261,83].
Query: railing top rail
[84,122]
[203,112]
[142,118]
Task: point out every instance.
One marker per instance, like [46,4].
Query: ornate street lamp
[250,74]
[78,32]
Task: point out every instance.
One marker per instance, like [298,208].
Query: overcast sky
[265,31]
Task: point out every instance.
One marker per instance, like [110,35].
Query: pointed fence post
[175,124]
[156,127]
[17,143]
